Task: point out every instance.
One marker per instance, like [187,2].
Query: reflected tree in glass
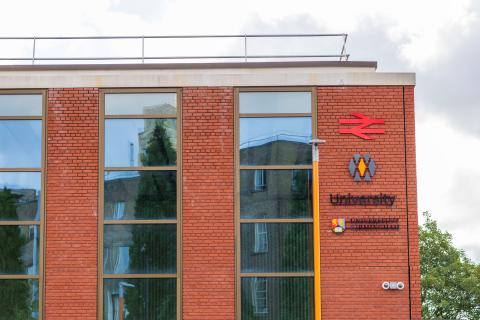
[15,294]
[297,299]
[160,151]
[8,208]
[297,304]
[297,238]
[145,243]
[301,192]
[160,305]
[153,195]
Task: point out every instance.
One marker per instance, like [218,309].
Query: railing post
[143,49]
[33,53]
[245,47]
[342,53]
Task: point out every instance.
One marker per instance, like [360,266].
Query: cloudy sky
[437,39]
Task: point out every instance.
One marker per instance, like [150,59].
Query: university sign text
[362,200]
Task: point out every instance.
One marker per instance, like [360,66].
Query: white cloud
[448,169]
[436,38]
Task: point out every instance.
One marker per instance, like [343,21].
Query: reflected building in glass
[276,258]
[21,205]
[140,190]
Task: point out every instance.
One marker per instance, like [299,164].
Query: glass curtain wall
[21,204]
[140,205]
[275,233]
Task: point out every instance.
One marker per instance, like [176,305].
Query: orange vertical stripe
[316,239]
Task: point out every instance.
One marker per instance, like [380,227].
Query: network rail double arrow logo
[362,129]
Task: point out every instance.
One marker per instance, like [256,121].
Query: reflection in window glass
[290,248]
[261,238]
[139,299]
[140,103]
[260,180]
[279,200]
[140,142]
[260,295]
[19,247]
[19,299]
[275,102]
[133,195]
[275,141]
[21,104]
[283,298]
[20,196]
[21,145]
[140,248]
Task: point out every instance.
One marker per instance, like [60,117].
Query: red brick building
[184,191]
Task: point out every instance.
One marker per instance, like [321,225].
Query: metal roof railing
[244,56]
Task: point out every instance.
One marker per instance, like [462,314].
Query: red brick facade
[208,216]
[71,205]
[353,264]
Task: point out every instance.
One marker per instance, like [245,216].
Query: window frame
[238,167]
[102,169]
[40,277]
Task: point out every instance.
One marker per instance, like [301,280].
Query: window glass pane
[140,248]
[140,103]
[140,142]
[20,105]
[286,194]
[21,143]
[139,299]
[19,246]
[276,247]
[282,298]
[275,102]
[140,195]
[19,299]
[20,196]
[275,141]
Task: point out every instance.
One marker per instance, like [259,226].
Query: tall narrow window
[140,207]
[259,295]
[275,272]
[261,238]
[260,180]
[21,204]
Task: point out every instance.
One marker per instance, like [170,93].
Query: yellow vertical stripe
[316,239]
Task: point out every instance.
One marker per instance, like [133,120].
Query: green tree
[450,282]
[153,248]
[14,294]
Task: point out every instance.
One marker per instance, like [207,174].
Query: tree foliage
[14,294]
[152,250]
[450,282]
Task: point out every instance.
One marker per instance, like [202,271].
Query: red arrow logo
[363,122]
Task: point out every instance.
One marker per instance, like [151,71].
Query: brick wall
[208,215]
[71,204]
[355,263]
[412,202]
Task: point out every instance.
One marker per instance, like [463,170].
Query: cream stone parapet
[200,75]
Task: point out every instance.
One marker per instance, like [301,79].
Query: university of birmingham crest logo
[338,225]
[362,167]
